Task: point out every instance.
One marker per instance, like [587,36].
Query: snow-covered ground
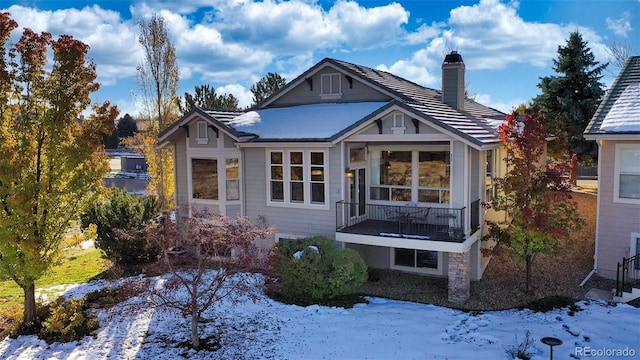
[382,329]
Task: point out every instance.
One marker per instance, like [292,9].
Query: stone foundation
[459,277]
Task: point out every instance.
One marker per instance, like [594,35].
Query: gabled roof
[619,110]
[476,124]
[473,124]
[216,117]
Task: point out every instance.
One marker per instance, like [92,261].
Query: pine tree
[205,97]
[266,87]
[570,99]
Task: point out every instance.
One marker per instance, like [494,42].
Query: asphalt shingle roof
[629,74]
[472,123]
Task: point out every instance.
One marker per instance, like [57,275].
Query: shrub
[313,270]
[524,350]
[68,321]
[120,220]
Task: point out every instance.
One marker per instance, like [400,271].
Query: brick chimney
[453,81]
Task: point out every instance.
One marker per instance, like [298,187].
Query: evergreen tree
[206,97]
[266,87]
[570,99]
[127,127]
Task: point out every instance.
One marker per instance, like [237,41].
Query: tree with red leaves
[213,258]
[535,195]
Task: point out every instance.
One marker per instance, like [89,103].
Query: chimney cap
[453,57]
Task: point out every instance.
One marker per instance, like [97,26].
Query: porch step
[628,296]
[599,294]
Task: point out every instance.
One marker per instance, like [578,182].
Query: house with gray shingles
[382,165]
[616,128]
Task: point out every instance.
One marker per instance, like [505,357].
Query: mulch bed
[502,286]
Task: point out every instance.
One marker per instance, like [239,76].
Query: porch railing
[628,274]
[408,221]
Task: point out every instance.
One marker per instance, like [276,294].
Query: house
[616,128]
[382,165]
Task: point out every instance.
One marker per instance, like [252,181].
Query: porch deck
[407,230]
[407,222]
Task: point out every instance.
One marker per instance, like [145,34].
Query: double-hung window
[297,177]
[330,87]
[627,174]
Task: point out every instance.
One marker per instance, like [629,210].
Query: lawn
[78,266]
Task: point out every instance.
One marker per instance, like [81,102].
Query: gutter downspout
[595,253]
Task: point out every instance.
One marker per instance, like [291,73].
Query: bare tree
[619,51]
[157,77]
[216,260]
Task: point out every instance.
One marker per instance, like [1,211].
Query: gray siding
[193,132]
[182,193]
[294,221]
[616,221]
[304,94]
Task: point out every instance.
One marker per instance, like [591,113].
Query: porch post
[459,281]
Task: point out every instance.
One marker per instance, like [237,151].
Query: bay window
[297,177]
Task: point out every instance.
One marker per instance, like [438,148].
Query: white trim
[616,173]
[202,138]
[398,126]
[443,246]
[609,137]
[221,160]
[633,250]
[330,95]
[286,178]
[286,144]
[191,118]
[420,270]
[396,138]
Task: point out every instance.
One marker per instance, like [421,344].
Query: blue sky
[230,44]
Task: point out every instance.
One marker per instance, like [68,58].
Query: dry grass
[502,285]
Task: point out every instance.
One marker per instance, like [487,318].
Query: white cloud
[504,106]
[491,35]
[244,95]
[112,41]
[620,26]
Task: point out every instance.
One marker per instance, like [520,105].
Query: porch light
[348,174]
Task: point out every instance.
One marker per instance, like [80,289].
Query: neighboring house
[128,171]
[382,165]
[616,128]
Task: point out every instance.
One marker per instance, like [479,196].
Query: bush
[68,321]
[313,270]
[120,220]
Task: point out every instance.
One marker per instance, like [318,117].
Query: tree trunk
[528,271]
[195,338]
[29,302]
[573,176]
